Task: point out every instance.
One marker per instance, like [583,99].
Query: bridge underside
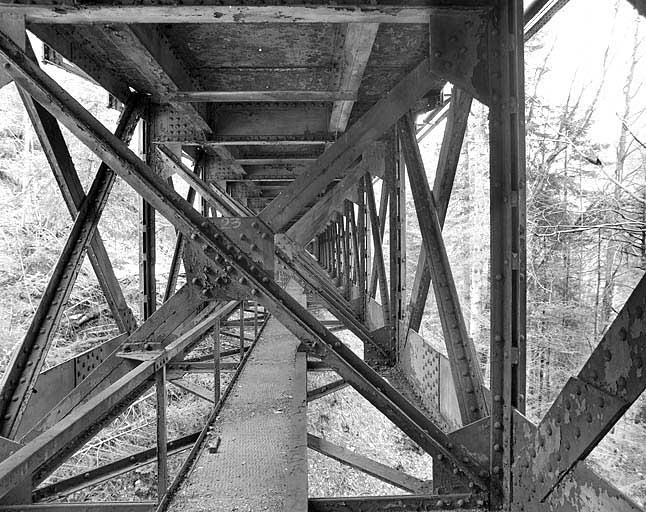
[300,123]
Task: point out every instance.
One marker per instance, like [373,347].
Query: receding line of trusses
[209,11]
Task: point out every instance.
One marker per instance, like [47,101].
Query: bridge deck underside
[261,461]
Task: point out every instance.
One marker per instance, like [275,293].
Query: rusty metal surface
[261,463]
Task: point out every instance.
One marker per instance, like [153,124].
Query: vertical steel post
[242,305]
[507,161]
[147,249]
[216,361]
[363,246]
[346,253]
[395,180]
[162,437]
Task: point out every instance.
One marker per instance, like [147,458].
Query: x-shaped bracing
[214,243]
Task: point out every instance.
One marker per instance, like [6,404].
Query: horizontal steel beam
[195,11]
[446,502]
[111,470]
[261,96]
[107,506]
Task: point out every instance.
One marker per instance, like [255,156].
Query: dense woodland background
[586,210]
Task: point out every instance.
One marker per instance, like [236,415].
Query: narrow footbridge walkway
[261,457]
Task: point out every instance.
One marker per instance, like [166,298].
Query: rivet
[498,276]
[621,383]
[497,425]
[497,398]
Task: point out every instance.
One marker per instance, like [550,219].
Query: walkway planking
[261,462]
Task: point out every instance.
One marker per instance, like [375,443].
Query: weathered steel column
[396,186]
[147,248]
[507,160]
[162,434]
[215,335]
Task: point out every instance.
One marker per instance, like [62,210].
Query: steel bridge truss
[325,230]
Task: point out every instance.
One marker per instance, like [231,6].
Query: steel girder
[218,246]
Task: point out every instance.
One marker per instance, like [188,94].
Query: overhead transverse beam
[262,95]
[194,11]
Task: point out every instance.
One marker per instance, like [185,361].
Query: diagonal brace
[462,354]
[29,356]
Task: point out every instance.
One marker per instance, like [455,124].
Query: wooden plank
[367,465]
[359,38]
[336,159]
[194,11]
[262,96]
